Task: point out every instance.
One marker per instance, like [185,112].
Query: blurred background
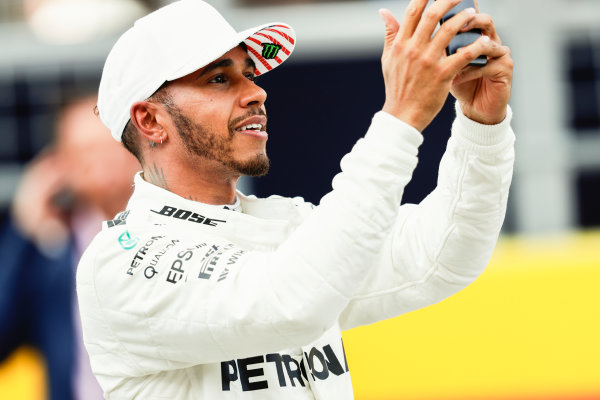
[527,329]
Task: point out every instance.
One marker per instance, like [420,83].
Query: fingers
[431,17]
[421,23]
[486,24]
[412,16]
[483,46]
[500,58]
[450,28]
[391,26]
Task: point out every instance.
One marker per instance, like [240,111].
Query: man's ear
[147,118]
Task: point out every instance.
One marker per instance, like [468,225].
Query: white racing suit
[183,300]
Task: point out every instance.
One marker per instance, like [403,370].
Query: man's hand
[483,92]
[33,208]
[418,76]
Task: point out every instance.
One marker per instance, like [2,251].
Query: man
[197,291]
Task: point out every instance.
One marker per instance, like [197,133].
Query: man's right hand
[417,74]
[34,210]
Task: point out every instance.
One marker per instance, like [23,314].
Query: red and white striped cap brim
[269,45]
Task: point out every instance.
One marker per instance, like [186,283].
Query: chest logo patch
[126,241]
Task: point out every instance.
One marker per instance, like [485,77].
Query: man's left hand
[483,92]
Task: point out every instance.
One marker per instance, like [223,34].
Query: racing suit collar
[152,196]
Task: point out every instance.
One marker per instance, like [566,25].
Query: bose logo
[186,215]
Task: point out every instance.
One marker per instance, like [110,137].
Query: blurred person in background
[65,192]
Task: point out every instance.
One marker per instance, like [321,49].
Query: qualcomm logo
[127,242]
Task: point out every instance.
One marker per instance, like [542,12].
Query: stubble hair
[202,142]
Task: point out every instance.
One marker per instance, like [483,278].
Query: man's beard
[205,143]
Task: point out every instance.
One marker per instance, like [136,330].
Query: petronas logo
[270,50]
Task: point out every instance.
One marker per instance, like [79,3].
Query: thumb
[391,26]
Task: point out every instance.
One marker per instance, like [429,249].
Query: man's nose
[252,95]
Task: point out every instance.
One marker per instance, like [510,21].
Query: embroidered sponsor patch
[284,370]
[120,219]
[270,50]
[186,215]
[126,241]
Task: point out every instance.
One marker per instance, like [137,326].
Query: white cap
[172,42]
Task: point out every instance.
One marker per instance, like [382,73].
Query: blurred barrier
[528,328]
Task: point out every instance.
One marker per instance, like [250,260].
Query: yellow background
[529,327]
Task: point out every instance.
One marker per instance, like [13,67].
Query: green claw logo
[270,50]
[126,241]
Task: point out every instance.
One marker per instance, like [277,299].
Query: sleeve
[441,245]
[231,303]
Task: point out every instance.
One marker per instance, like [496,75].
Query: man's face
[219,115]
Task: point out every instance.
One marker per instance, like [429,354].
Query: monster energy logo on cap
[270,50]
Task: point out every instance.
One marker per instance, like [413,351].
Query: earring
[161,140]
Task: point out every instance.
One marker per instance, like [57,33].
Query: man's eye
[251,76]
[218,79]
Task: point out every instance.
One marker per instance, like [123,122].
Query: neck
[206,183]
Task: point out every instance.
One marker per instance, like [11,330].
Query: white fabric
[170,43]
[182,300]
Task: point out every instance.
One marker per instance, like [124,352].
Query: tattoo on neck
[151,144]
[157,177]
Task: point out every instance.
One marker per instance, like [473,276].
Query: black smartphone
[463,39]
[63,201]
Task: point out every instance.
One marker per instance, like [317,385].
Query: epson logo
[186,215]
